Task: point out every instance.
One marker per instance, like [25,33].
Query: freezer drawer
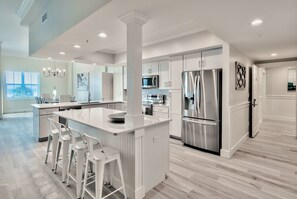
[203,134]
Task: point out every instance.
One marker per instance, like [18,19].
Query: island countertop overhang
[98,118]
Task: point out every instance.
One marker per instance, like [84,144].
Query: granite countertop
[73,104]
[98,118]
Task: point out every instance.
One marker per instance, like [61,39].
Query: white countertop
[98,118]
[72,104]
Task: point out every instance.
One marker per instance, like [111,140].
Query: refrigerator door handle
[199,93]
[195,94]
[203,122]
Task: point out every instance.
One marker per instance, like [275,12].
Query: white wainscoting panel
[280,107]
[239,126]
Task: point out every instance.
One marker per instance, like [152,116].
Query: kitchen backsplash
[145,92]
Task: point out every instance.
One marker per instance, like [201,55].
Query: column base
[134,120]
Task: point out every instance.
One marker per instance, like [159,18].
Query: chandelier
[55,72]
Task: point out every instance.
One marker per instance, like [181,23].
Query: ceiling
[228,19]
[14,37]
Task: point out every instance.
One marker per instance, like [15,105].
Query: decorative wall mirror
[292,79]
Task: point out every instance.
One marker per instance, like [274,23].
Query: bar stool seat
[99,155]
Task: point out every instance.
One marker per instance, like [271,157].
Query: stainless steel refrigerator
[201,104]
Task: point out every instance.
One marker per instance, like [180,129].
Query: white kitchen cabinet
[151,68]
[192,61]
[205,60]
[125,77]
[212,59]
[40,122]
[175,101]
[111,106]
[175,125]
[94,106]
[164,74]
[175,72]
[175,112]
[119,106]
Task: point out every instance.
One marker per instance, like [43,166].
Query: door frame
[250,102]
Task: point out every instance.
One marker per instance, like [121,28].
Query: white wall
[238,109]
[46,83]
[94,71]
[279,103]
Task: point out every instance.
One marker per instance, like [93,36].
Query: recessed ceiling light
[257,22]
[62,53]
[94,64]
[76,46]
[72,61]
[102,35]
[49,58]
[273,54]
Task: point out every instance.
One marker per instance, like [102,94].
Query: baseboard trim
[229,153]
[280,119]
[175,137]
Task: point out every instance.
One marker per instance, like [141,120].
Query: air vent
[44,18]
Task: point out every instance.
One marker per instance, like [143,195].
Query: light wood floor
[264,167]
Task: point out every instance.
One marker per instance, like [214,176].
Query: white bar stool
[99,156]
[53,137]
[78,148]
[63,142]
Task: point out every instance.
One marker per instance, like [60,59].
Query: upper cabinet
[204,60]
[212,59]
[164,74]
[175,72]
[151,68]
[192,61]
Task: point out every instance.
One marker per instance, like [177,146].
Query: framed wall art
[82,82]
[240,76]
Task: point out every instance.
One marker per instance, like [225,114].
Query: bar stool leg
[99,175]
[48,147]
[85,179]
[121,174]
[69,166]
[55,140]
[65,160]
[57,156]
[79,172]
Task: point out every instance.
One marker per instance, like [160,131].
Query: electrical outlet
[156,139]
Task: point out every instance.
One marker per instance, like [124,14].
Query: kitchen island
[144,149]
[41,113]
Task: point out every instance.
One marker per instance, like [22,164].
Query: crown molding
[134,16]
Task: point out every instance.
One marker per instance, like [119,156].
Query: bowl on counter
[117,117]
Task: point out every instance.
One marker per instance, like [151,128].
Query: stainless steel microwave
[151,81]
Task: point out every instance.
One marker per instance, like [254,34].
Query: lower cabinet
[95,106]
[175,125]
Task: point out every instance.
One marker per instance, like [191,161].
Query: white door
[254,103]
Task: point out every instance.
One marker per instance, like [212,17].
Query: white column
[1,81]
[134,21]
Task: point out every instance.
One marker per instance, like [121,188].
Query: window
[22,84]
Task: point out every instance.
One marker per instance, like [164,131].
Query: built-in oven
[151,81]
